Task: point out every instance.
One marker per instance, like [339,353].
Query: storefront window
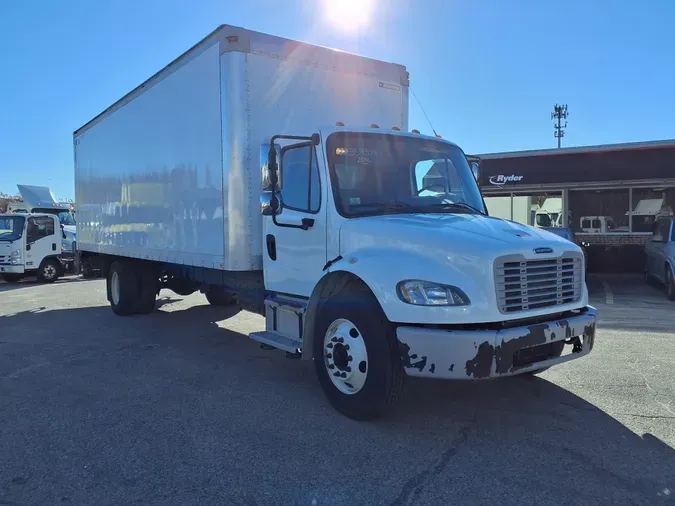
[599,211]
[649,205]
[536,209]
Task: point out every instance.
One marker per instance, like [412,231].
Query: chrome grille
[534,284]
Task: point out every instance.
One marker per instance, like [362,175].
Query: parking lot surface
[179,407]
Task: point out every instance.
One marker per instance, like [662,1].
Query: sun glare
[348,15]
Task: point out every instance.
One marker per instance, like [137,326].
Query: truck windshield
[66,218]
[11,227]
[375,173]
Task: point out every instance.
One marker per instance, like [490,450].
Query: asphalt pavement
[179,407]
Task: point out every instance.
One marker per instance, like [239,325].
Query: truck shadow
[32,282]
[527,432]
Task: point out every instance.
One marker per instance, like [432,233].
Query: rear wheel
[12,278]
[123,288]
[49,271]
[356,355]
[219,297]
[670,283]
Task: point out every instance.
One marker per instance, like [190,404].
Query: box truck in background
[281,177]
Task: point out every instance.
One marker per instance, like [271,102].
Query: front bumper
[11,269]
[480,354]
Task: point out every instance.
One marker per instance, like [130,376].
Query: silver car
[660,253]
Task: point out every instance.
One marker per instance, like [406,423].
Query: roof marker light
[415,131]
[374,125]
[339,123]
[396,129]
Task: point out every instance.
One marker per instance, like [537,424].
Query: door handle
[53,246]
[271,242]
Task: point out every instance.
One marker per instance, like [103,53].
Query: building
[609,196]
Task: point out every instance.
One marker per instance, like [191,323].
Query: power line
[559,113]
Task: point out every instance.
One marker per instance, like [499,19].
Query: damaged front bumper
[479,354]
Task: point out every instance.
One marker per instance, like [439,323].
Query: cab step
[277,340]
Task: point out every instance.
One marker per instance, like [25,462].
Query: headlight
[15,257]
[426,293]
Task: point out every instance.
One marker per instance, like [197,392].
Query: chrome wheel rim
[49,271]
[345,356]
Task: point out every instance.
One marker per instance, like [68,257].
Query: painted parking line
[609,295]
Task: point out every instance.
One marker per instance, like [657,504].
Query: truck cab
[40,199]
[30,245]
[370,262]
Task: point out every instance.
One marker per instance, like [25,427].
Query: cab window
[39,227]
[301,188]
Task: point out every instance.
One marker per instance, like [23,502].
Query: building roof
[666,143]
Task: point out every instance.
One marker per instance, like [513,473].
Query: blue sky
[488,72]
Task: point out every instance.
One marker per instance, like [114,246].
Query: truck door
[41,240]
[294,242]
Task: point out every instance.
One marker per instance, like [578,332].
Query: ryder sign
[501,180]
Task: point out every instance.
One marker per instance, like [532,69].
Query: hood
[472,234]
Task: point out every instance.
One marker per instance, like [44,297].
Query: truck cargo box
[171,172]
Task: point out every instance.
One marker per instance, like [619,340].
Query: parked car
[660,255]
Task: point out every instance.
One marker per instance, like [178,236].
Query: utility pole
[559,113]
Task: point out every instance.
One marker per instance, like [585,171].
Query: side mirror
[270,206]
[475,168]
[266,173]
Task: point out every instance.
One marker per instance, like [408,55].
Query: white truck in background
[40,199]
[329,232]
[30,245]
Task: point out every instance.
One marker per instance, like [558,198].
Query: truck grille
[534,284]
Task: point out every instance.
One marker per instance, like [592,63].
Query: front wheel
[49,271]
[356,355]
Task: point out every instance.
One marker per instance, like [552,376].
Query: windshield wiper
[389,205]
[461,205]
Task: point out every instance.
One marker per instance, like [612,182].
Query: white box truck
[281,177]
[30,245]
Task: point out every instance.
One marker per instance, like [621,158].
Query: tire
[181,287]
[670,284]
[219,297]
[123,288]
[49,271]
[12,278]
[147,290]
[371,365]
